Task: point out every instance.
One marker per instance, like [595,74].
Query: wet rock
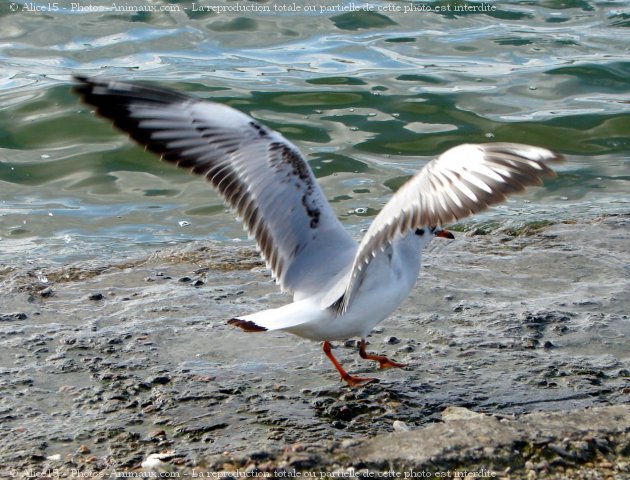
[340,412]
[24,381]
[278,387]
[406,349]
[400,426]
[493,441]
[259,456]
[9,317]
[303,462]
[350,442]
[529,343]
[157,461]
[159,380]
[559,450]
[196,430]
[46,292]
[38,456]
[461,307]
[129,460]
[156,434]
[458,413]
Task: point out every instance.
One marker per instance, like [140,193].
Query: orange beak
[444,233]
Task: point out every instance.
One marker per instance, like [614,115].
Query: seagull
[341,289]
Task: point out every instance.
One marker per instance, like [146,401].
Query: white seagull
[341,289]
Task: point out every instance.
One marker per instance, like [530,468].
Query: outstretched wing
[258,172]
[462,181]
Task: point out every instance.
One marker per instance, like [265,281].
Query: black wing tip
[548,171]
[506,147]
[83,85]
[97,90]
[78,78]
[557,157]
[246,325]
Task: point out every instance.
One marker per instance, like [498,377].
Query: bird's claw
[387,363]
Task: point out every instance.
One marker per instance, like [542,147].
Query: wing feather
[462,181]
[258,172]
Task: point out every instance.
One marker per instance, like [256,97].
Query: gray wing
[462,181]
[258,172]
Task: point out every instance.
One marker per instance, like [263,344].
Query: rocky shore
[515,344]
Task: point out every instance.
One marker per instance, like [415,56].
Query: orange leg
[352,381]
[381,359]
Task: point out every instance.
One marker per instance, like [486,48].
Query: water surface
[368,97]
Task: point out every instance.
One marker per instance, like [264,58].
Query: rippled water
[369,97]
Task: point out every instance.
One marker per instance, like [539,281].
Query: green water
[368,96]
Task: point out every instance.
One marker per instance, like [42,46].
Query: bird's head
[428,233]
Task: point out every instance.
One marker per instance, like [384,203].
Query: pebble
[96,296]
[157,433]
[400,426]
[37,456]
[302,462]
[152,462]
[47,292]
[159,380]
[529,343]
[391,340]
[8,317]
[338,425]
[350,442]
[458,413]
[259,456]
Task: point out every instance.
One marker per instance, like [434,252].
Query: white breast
[390,277]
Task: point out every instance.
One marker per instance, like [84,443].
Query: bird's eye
[420,231]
